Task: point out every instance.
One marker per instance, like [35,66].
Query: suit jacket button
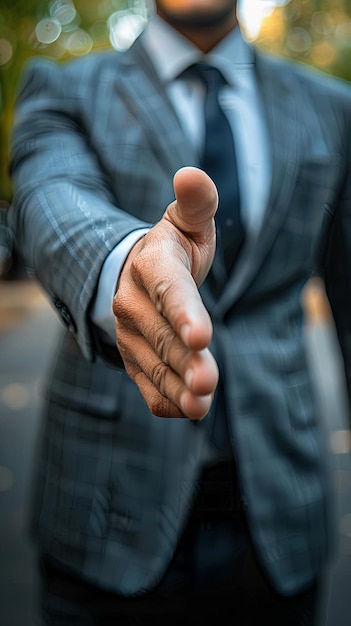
[65,315]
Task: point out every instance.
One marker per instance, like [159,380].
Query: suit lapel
[285,132]
[139,85]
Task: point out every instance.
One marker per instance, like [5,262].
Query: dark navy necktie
[219,162]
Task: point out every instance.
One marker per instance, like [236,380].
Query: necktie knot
[210,75]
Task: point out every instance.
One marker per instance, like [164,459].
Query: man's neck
[203,37]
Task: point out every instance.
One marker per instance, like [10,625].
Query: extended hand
[162,327]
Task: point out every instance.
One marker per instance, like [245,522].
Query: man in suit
[183,471]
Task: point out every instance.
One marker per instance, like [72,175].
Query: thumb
[195,205]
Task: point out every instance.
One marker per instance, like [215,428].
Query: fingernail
[204,405]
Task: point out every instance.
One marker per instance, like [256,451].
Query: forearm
[64,215]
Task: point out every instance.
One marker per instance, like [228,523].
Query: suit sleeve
[64,215]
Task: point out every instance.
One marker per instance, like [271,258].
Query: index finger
[176,297]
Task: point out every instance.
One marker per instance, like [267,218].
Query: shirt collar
[233,53]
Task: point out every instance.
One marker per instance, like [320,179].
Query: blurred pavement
[28,328]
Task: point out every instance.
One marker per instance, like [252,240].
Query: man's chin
[197,19]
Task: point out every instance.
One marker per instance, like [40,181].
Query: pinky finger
[158,404]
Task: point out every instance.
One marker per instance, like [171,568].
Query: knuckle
[119,305]
[163,337]
[155,401]
[161,290]
[124,312]
[162,407]
[122,348]
[158,406]
[158,377]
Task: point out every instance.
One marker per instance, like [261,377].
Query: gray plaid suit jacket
[96,143]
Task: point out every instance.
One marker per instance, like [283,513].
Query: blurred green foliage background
[316,32]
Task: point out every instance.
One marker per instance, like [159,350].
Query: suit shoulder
[40,71]
[293,74]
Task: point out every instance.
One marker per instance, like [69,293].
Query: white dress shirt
[171,53]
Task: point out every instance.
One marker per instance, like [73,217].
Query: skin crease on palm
[162,327]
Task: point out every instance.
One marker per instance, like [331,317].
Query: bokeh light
[79,42]
[252,13]
[15,396]
[48,30]
[124,28]
[6,51]
[63,12]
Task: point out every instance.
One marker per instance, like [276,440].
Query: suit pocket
[320,169]
[88,388]
[317,186]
